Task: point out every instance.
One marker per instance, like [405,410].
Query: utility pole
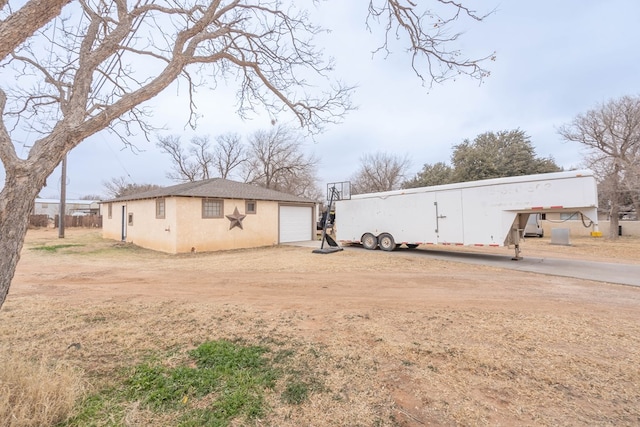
[63,197]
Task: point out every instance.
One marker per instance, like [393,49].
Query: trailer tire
[369,241]
[386,242]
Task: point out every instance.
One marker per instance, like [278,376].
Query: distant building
[51,207]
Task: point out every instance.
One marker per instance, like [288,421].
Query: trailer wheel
[369,241]
[386,242]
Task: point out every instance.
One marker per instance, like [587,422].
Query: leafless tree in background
[95,67]
[191,164]
[202,160]
[611,135]
[632,183]
[121,186]
[380,172]
[276,160]
[228,154]
[272,159]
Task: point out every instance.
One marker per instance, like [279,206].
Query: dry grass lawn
[391,339]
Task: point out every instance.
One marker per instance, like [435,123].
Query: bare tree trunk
[18,196]
[615,203]
[614,221]
[20,25]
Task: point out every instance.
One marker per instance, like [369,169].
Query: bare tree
[183,168]
[379,172]
[201,160]
[611,135]
[91,197]
[228,154]
[121,186]
[105,59]
[276,161]
[303,184]
[202,153]
[632,183]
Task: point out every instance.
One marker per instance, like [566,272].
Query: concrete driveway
[623,274]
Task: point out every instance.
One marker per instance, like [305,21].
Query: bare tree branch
[184,169]
[611,135]
[428,37]
[94,68]
[379,172]
[228,154]
[19,26]
[276,161]
[121,186]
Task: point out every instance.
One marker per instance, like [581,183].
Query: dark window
[251,207]
[131,219]
[212,208]
[160,208]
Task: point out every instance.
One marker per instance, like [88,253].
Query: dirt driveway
[405,340]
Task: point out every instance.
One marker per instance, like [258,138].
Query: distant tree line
[610,134]
[122,186]
[489,155]
[272,158]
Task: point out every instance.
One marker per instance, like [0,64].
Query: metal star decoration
[236,219]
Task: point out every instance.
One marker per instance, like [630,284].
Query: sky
[554,60]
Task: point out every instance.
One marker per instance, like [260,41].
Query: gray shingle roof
[216,188]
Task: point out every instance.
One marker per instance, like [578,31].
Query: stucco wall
[212,234]
[183,227]
[110,225]
[629,228]
[147,230]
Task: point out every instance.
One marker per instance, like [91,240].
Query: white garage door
[295,223]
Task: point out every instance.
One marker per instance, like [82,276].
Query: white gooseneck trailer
[491,212]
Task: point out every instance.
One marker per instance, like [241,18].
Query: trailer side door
[448,214]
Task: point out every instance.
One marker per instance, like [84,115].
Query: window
[160,208]
[250,207]
[131,219]
[212,208]
[110,209]
[567,216]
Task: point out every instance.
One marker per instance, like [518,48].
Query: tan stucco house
[209,215]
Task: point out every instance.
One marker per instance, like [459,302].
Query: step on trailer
[491,212]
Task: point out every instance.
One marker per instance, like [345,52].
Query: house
[209,215]
[51,207]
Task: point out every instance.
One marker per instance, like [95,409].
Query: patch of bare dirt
[401,340]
